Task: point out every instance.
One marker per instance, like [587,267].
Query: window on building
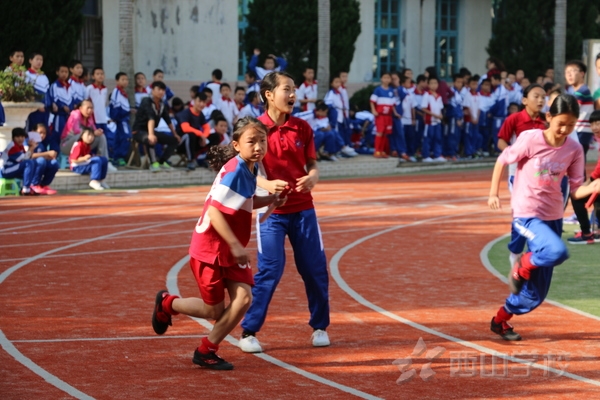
[446,37]
[242,25]
[387,37]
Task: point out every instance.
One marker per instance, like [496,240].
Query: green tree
[523,33]
[50,27]
[289,29]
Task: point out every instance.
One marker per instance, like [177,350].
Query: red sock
[378,143]
[207,346]
[526,266]
[502,315]
[167,304]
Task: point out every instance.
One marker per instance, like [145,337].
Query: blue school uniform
[452,132]
[15,163]
[261,72]
[45,170]
[397,138]
[41,85]
[498,112]
[120,112]
[60,95]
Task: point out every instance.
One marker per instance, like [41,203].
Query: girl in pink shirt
[544,157]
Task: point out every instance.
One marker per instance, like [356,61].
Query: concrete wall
[186,39]
[361,68]
[475,31]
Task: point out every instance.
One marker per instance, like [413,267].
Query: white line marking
[488,265]
[335,273]
[173,288]
[16,354]
[107,339]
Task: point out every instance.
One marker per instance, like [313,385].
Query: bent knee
[559,254]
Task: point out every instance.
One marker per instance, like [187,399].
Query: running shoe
[505,330]
[160,319]
[580,238]
[155,167]
[320,338]
[250,344]
[211,361]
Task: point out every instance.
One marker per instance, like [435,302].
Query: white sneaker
[94,184]
[333,158]
[111,169]
[428,159]
[412,159]
[440,159]
[250,344]
[104,185]
[347,150]
[320,338]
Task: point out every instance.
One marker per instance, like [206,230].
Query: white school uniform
[98,96]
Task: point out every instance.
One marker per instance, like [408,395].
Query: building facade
[187,39]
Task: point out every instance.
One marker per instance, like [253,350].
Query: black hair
[270,82]
[251,74]
[404,70]
[421,78]
[473,79]
[33,54]
[15,50]
[529,88]
[404,78]
[119,75]
[497,62]
[476,76]
[217,116]
[60,65]
[18,132]
[548,86]
[514,104]
[158,84]
[578,64]
[95,69]
[84,130]
[457,76]
[332,78]
[565,104]
[158,71]
[238,88]
[385,73]
[486,81]
[177,102]
[252,95]
[464,71]
[74,63]
[218,156]
[224,85]
[495,76]
[218,74]
[136,76]
[432,72]
[308,67]
[207,90]
[200,96]
[195,89]
[595,115]
[320,105]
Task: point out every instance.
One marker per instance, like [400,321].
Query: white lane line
[108,339]
[485,260]
[173,288]
[20,357]
[335,273]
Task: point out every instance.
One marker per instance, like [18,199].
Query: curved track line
[488,265]
[173,288]
[20,357]
[335,273]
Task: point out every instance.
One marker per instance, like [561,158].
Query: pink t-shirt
[540,169]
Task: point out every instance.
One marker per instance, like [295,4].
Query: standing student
[41,85]
[409,117]
[82,161]
[17,59]
[76,82]
[218,256]
[454,115]
[486,102]
[499,108]
[60,102]
[16,162]
[291,160]
[272,64]
[383,104]
[159,76]
[120,113]
[596,95]
[141,89]
[335,101]
[98,94]
[239,95]
[543,157]
[151,110]
[527,119]
[307,91]
[471,137]
[419,91]
[397,138]
[432,107]
[228,106]
[215,86]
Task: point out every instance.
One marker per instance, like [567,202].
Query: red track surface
[85,268]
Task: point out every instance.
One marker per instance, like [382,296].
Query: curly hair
[218,156]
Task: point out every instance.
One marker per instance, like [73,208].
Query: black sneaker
[160,319]
[211,361]
[505,330]
[515,281]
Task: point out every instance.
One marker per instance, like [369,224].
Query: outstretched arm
[494,200]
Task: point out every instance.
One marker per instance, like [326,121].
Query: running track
[79,274]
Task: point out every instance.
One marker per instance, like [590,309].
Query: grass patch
[575,282]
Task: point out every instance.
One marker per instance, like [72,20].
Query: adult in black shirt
[149,113]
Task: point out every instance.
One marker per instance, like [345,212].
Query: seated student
[76,82]
[82,162]
[209,106]
[362,130]
[193,129]
[193,90]
[46,165]
[158,76]
[78,119]
[228,106]
[272,64]
[151,110]
[219,136]
[239,95]
[16,162]
[252,109]
[141,89]
[120,112]
[253,85]
[324,136]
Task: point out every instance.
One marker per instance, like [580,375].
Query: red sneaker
[49,191]
[37,189]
